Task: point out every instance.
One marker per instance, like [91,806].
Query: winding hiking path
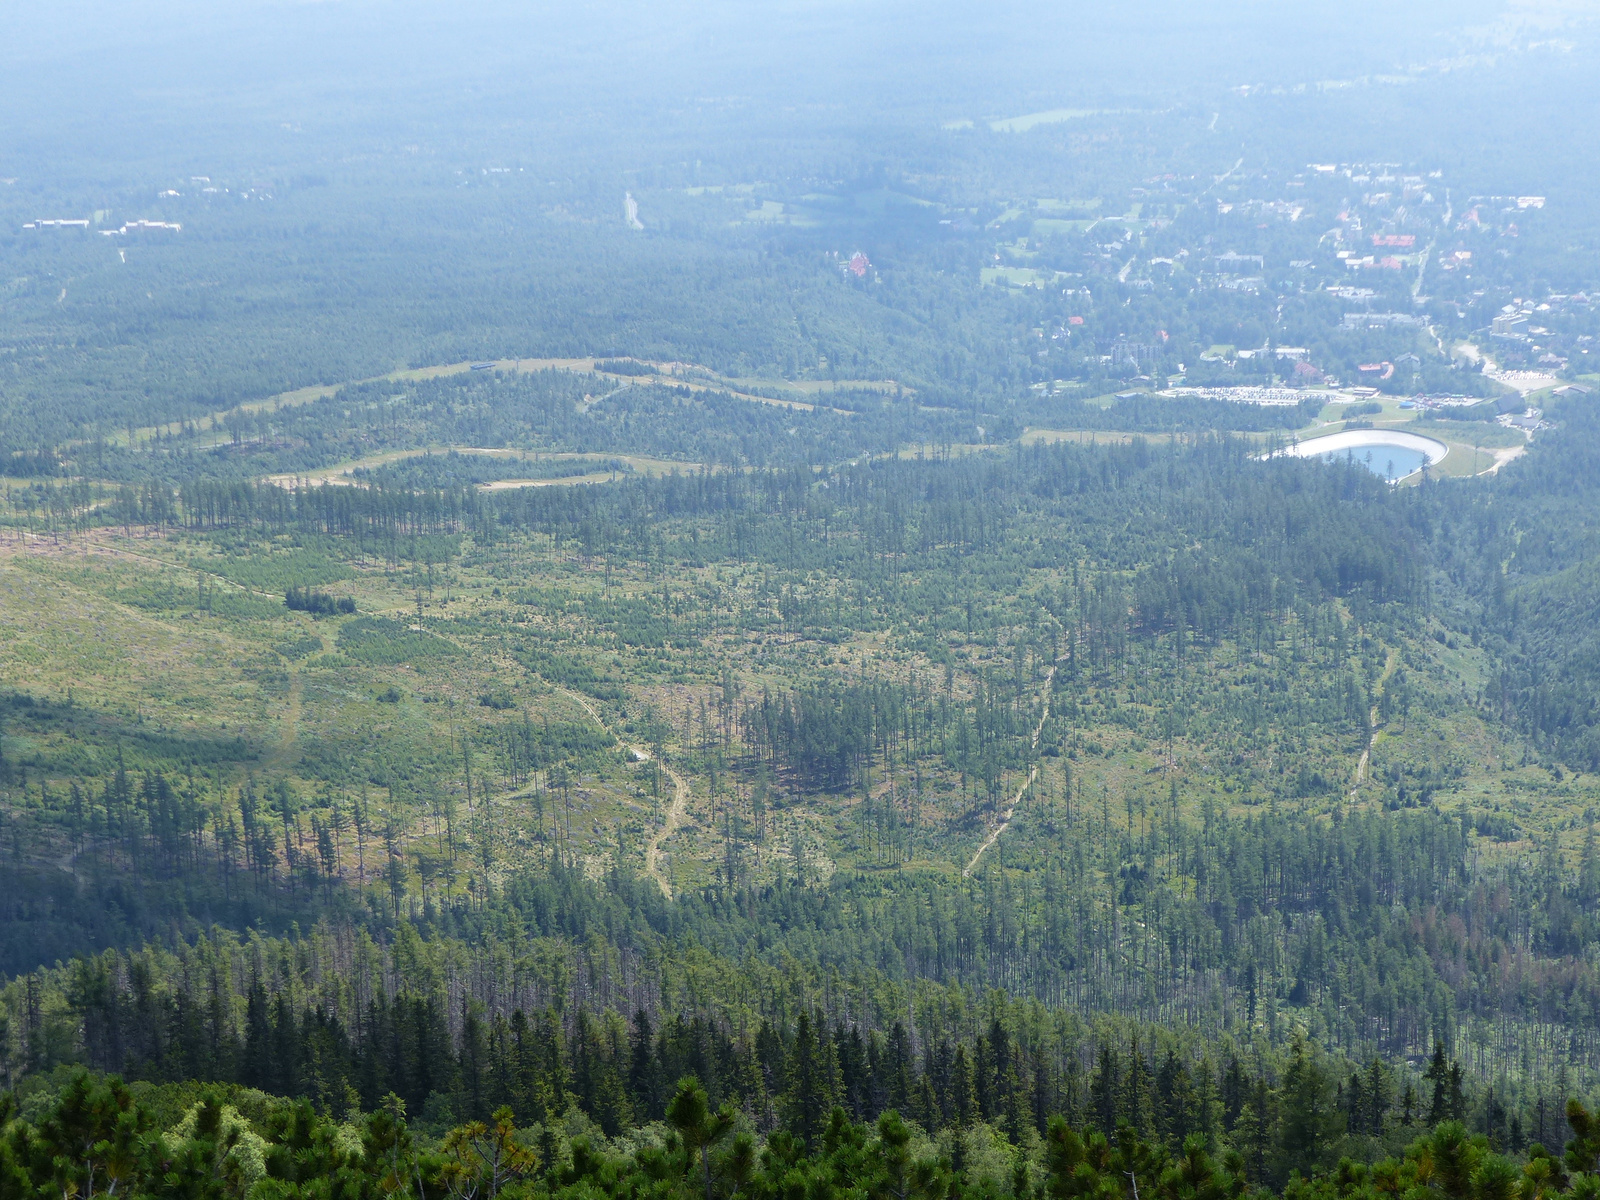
[291,720]
[1033,773]
[1372,724]
[687,376]
[1502,457]
[675,810]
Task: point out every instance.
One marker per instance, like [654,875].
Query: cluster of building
[142,227]
[1512,326]
[1281,353]
[1521,203]
[1370,262]
[127,227]
[1440,401]
[1286,209]
[857,264]
[1386,220]
[1383,320]
[1275,396]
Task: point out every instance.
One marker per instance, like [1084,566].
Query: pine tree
[1583,1151]
[690,1115]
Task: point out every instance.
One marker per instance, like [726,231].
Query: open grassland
[437,695]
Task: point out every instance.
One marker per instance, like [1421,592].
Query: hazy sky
[84,55]
[87,86]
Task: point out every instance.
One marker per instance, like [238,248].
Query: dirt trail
[675,810]
[693,378]
[1372,724]
[680,803]
[1033,773]
[282,754]
[343,474]
[1502,457]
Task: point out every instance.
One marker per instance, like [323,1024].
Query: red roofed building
[859,266]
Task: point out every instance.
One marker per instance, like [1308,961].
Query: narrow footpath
[1365,762]
[1033,773]
[675,810]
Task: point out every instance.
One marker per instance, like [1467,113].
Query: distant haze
[407,56]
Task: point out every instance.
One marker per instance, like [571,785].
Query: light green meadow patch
[1051,116]
[1015,277]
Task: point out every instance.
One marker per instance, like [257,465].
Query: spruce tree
[1137,1088]
[1438,1074]
[810,1092]
[1309,1120]
[963,1104]
[1105,1091]
[643,1078]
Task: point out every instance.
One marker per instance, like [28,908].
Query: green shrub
[380,641]
[570,672]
